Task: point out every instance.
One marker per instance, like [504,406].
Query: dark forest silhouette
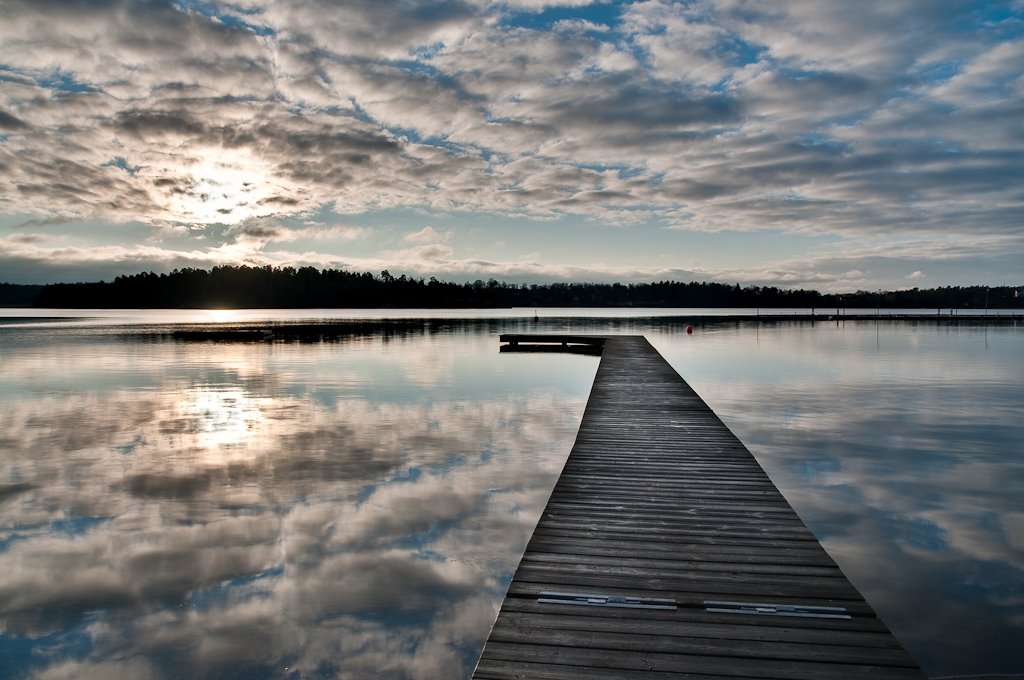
[308,287]
[16,295]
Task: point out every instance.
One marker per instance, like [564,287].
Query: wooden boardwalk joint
[665,551]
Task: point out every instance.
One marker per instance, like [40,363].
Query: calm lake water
[355,506]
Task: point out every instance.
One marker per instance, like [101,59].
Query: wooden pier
[665,551]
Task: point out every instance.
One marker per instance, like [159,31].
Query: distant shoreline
[420,321]
[685,315]
[243,287]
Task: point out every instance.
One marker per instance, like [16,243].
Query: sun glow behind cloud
[223,187]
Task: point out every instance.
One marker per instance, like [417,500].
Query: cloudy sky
[833,145]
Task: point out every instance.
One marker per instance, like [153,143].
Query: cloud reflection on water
[897,446]
[262,511]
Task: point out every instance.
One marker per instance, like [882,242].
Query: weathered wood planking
[658,499]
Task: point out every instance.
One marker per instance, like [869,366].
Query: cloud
[9,122]
[422,257]
[334,232]
[428,235]
[258,232]
[711,116]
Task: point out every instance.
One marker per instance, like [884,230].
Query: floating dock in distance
[563,344]
[665,551]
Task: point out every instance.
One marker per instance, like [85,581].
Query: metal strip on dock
[665,551]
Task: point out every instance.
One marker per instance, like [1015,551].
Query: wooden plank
[674,531]
[632,559]
[755,628]
[629,539]
[490,669]
[725,666]
[858,611]
[656,640]
[651,511]
[658,499]
[643,568]
[693,505]
[721,585]
[693,552]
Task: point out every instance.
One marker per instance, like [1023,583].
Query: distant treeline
[266,287]
[15,295]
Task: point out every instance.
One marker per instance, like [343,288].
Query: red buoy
[689,330]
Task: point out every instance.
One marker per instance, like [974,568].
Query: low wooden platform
[666,552]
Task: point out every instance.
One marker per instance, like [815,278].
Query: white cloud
[421,258]
[335,232]
[428,234]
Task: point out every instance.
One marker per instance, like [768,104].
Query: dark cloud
[260,230]
[618,102]
[283,201]
[356,142]
[145,124]
[9,122]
